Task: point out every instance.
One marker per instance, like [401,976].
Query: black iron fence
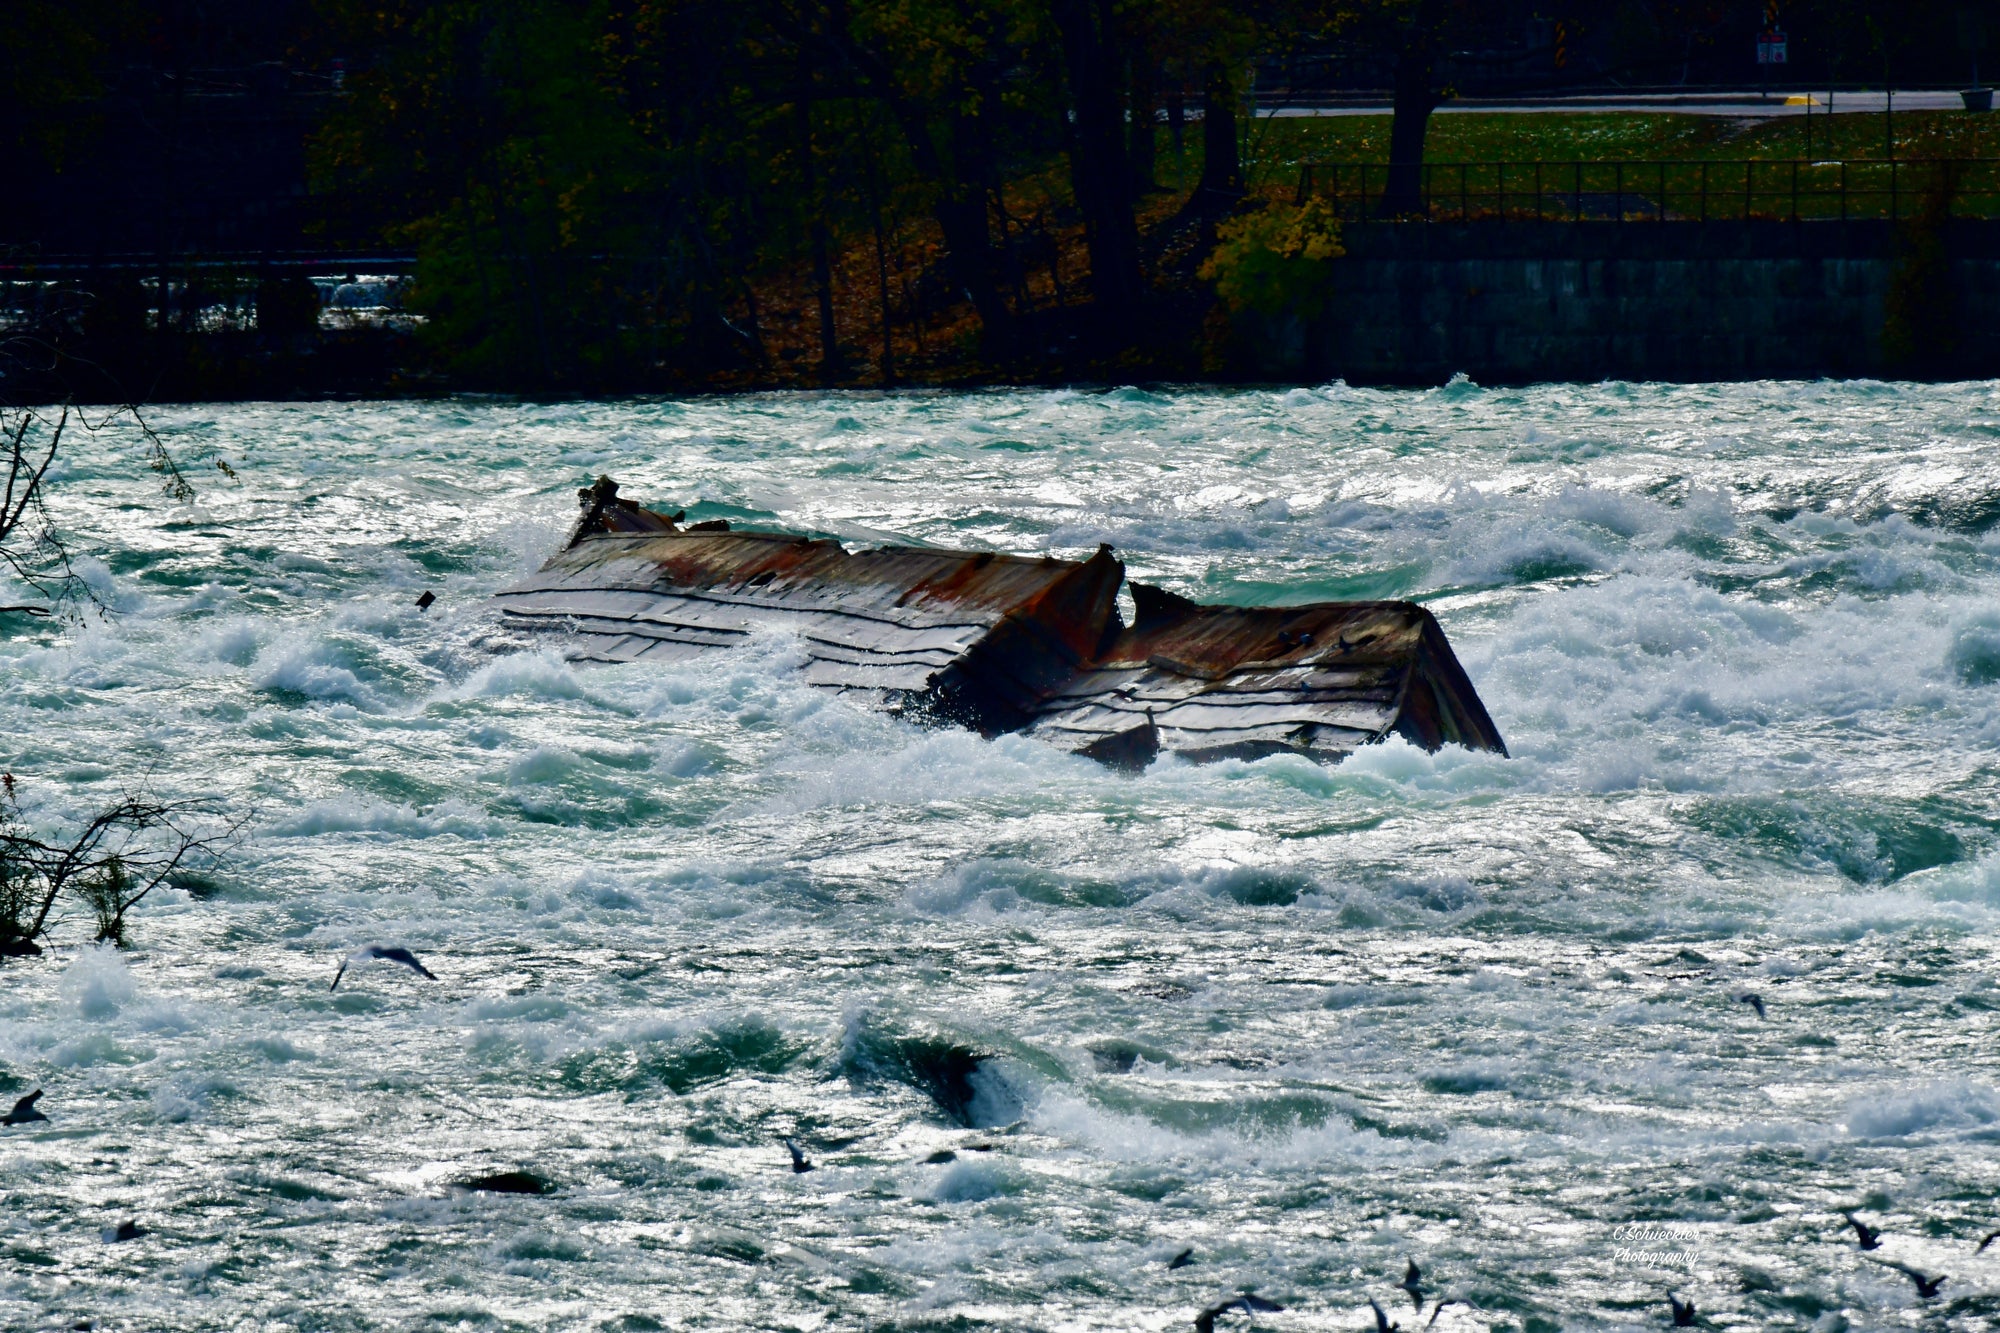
[19,263]
[1682,191]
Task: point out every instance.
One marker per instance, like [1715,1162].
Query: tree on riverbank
[607,191]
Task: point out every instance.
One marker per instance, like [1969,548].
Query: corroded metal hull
[1004,643]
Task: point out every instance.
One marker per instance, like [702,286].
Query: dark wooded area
[610,195]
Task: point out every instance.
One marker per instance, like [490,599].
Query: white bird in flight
[388,953]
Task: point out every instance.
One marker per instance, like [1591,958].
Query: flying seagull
[24,1111]
[1869,1236]
[1204,1322]
[799,1163]
[1991,1236]
[1438,1309]
[1927,1287]
[388,953]
[1183,1259]
[1754,1000]
[1382,1324]
[1683,1311]
[1413,1282]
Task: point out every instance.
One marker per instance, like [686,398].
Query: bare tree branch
[31,438]
[121,854]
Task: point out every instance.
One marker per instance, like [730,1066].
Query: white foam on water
[1930,1109]
[365,816]
[97,982]
[318,670]
[537,675]
[1311,1019]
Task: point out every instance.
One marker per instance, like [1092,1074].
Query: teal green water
[1743,640]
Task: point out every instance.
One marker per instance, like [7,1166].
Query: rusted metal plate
[979,639]
[1005,643]
[1319,680]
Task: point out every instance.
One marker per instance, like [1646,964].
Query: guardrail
[23,262]
[1680,191]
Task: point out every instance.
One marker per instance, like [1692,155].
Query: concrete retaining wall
[1520,302]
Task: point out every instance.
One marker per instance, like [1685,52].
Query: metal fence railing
[1681,191]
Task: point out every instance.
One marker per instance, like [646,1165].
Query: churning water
[1743,640]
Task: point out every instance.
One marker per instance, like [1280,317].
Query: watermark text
[1650,1234]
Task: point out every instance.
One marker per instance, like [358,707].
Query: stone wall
[1508,302]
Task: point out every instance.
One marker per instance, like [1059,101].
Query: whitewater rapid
[1742,640]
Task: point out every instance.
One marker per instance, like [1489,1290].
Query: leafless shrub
[120,855]
[31,437]
[106,890]
[30,545]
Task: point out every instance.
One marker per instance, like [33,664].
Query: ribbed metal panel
[1006,643]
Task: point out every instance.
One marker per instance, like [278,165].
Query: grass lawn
[1725,188]
[1568,136]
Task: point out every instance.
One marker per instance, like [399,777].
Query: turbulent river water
[1306,1023]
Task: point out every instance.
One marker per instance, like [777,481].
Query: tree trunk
[968,258]
[1099,170]
[1221,172]
[829,341]
[960,209]
[1017,272]
[881,270]
[966,221]
[742,261]
[513,234]
[916,310]
[1415,100]
[1145,133]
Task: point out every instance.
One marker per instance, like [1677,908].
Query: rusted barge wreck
[1002,643]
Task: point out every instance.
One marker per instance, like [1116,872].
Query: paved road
[1742,105]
